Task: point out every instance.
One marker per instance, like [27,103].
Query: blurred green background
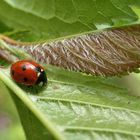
[10,127]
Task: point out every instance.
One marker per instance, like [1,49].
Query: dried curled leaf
[110,52]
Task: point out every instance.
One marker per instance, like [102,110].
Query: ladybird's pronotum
[109,52]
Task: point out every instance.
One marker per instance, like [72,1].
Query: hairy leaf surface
[111,52]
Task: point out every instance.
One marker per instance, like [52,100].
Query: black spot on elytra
[25,79]
[23,67]
[13,72]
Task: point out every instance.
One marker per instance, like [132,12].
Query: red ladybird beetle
[28,72]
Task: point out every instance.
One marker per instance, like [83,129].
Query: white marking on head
[42,70]
[38,74]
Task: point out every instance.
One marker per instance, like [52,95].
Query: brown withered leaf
[110,52]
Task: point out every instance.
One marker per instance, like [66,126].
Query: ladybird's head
[42,78]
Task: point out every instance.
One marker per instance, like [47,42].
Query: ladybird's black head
[41,76]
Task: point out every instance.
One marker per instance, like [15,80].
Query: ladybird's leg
[29,86]
[45,81]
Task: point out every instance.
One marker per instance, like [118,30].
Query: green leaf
[59,18]
[77,107]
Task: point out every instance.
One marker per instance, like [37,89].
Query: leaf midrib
[72,128]
[86,103]
[82,85]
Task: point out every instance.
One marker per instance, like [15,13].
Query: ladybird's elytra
[28,73]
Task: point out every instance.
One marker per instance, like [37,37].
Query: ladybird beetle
[28,72]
